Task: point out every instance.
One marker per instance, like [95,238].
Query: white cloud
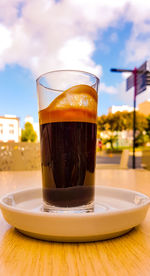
[125,96]
[138,44]
[108,89]
[6,39]
[45,35]
[48,35]
[78,52]
[138,49]
[9,11]
[125,75]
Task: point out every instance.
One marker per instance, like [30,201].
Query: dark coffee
[68,162]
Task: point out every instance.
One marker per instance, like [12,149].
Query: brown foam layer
[78,103]
[67,115]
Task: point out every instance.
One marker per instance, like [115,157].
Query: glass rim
[64,70]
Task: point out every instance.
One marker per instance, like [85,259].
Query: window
[11,129]
[1,128]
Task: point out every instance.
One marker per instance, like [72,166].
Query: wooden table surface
[126,255]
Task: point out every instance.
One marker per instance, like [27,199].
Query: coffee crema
[76,104]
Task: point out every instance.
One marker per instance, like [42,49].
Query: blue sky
[63,35]
[18,92]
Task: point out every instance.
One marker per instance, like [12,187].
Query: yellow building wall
[144,108]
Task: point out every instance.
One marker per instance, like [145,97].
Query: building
[144,108]
[9,128]
[114,108]
[29,119]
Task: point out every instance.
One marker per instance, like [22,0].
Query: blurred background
[37,36]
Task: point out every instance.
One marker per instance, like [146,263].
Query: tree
[112,124]
[108,123]
[112,139]
[141,139]
[28,134]
[148,126]
[141,125]
[141,122]
[119,121]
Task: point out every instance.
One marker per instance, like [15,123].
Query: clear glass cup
[68,125]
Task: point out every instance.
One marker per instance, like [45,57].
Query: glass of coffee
[67,117]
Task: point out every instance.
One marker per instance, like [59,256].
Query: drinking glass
[67,102]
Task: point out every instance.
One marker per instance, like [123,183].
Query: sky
[37,36]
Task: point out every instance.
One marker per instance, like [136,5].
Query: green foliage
[148,126]
[112,139]
[141,140]
[120,121]
[142,137]
[28,133]
[141,122]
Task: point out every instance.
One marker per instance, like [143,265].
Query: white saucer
[116,211]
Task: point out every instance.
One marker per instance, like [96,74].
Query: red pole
[134,115]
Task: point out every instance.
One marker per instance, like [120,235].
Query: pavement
[115,159]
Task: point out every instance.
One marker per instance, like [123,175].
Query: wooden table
[126,255]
